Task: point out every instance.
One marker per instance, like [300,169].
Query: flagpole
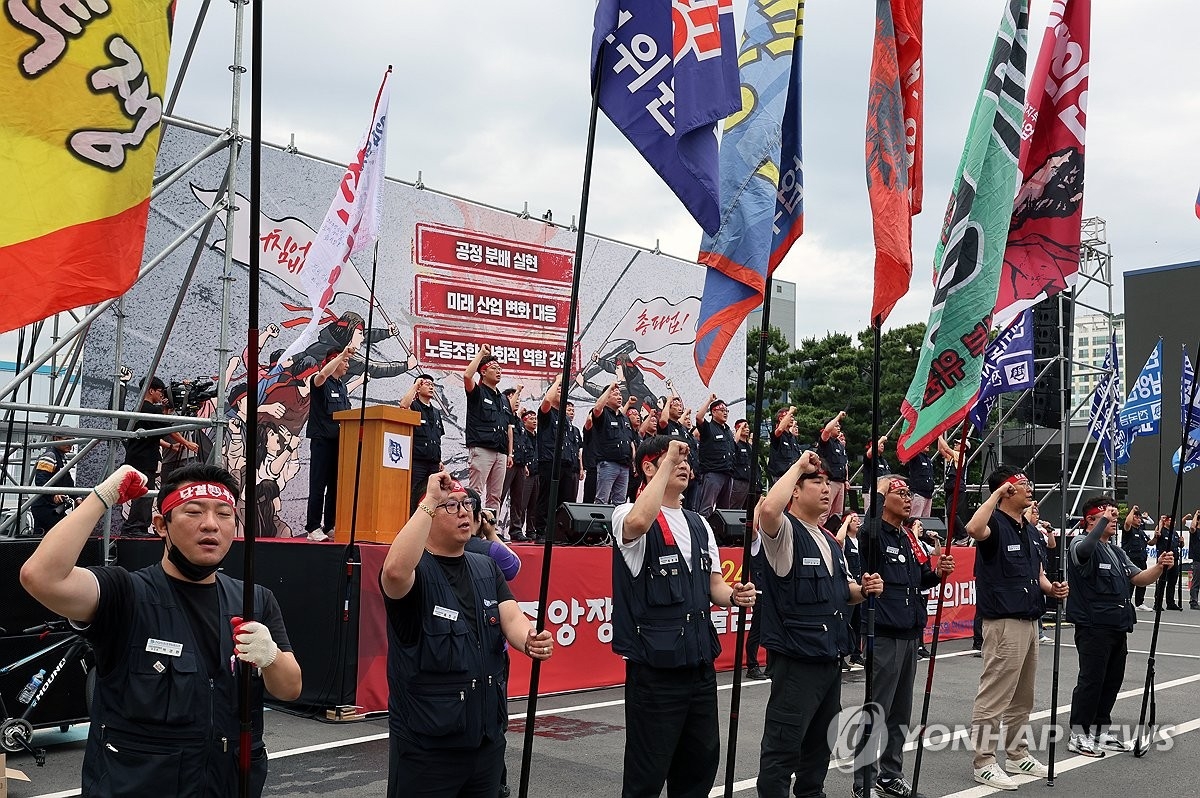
[362,406]
[951,513]
[1148,704]
[1064,423]
[872,519]
[735,696]
[551,499]
[250,501]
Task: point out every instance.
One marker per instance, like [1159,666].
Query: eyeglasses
[453,505]
[903,494]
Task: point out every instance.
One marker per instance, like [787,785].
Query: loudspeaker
[934,524]
[583,524]
[1043,405]
[728,526]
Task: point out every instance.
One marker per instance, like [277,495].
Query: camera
[186,396]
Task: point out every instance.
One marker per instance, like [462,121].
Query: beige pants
[1010,653]
[485,474]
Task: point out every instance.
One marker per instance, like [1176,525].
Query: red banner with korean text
[82,97]
[579,614]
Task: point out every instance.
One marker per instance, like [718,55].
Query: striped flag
[82,98]
[762,180]
[894,114]
[970,252]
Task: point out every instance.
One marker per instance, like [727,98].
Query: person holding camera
[168,641]
[1136,544]
[145,454]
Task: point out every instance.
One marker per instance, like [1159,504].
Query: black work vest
[741,460]
[717,448]
[1006,583]
[447,690]
[834,452]
[612,435]
[488,418]
[324,400]
[427,436]
[1101,589]
[803,614]
[661,615]
[785,450]
[900,610]
[160,725]
[920,475]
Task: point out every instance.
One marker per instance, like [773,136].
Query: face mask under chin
[188,569]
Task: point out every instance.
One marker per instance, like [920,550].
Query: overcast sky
[490,102]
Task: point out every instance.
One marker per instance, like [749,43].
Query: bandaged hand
[252,643]
[123,485]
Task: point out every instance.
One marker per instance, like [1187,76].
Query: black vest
[785,450]
[325,399]
[717,448]
[834,452]
[488,418]
[1006,584]
[427,436]
[741,460]
[446,691]
[160,725]
[920,475]
[661,616]
[1100,589]
[803,614]
[900,611]
[1134,542]
[612,435]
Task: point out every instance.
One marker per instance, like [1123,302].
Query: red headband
[896,484]
[196,491]
[1095,511]
[1015,478]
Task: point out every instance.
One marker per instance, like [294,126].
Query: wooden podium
[384,481]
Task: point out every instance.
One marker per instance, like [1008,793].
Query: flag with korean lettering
[970,251]
[762,180]
[351,224]
[1189,417]
[1143,407]
[666,73]
[1042,256]
[1007,366]
[894,117]
[82,97]
[1106,405]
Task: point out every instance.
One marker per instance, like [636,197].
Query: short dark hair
[275,356]
[1103,500]
[822,470]
[740,422]
[198,472]
[570,404]
[473,494]
[651,449]
[333,352]
[527,414]
[718,404]
[155,384]
[1000,475]
[487,361]
[424,376]
[509,391]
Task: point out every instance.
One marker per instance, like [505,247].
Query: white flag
[351,223]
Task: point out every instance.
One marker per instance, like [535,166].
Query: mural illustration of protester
[628,369]
[348,332]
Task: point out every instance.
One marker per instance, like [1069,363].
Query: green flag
[970,252]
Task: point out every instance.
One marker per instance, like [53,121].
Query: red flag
[1042,255]
[893,147]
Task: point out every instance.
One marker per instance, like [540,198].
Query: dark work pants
[895,669]
[1139,593]
[568,488]
[137,517]
[1172,585]
[1102,655]
[856,630]
[977,632]
[451,773]
[671,733]
[589,486]
[805,699]
[752,638]
[1194,588]
[420,473]
[714,492]
[322,483]
[522,501]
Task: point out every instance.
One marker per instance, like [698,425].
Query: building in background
[1089,348]
[783,311]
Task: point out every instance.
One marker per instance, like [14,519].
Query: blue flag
[762,180]
[1188,418]
[1143,409]
[1007,366]
[1106,404]
[666,73]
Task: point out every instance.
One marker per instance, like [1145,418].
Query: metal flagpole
[250,505]
[1064,422]
[872,519]
[551,498]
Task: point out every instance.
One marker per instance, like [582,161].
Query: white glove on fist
[252,643]
[123,485]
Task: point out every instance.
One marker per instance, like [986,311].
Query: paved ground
[579,739]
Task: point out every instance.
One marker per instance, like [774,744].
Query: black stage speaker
[934,524]
[728,526]
[583,524]
[1042,405]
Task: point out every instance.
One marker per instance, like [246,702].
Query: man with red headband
[1102,578]
[169,643]
[666,577]
[1011,586]
[449,614]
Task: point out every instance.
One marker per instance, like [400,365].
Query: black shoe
[857,659]
[923,653]
[539,540]
[1174,607]
[859,792]
[753,671]
[519,537]
[505,791]
[1194,606]
[897,788]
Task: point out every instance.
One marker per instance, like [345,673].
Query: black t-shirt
[109,630]
[144,453]
[404,614]
[326,399]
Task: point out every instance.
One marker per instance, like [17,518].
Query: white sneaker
[1112,742]
[1085,745]
[1027,766]
[1144,608]
[994,776]
[1044,640]
[317,535]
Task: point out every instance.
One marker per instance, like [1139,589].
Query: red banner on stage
[579,613]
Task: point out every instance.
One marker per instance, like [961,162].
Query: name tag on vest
[718,437]
[893,550]
[487,401]
[442,612]
[612,423]
[811,561]
[1104,566]
[668,559]
[1015,547]
[155,646]
[334,395]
